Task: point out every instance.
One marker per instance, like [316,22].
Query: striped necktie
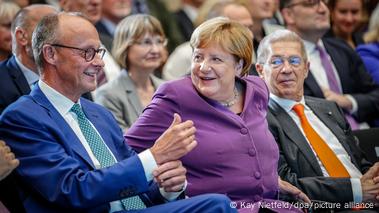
[102,153]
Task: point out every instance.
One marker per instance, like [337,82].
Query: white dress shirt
[331,140]
[319,72]
[63,105]
[31,77]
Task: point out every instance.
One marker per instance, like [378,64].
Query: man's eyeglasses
[277,62]
[149,42]
[306,3]
[89,54]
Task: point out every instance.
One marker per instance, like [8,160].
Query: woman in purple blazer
[236,154]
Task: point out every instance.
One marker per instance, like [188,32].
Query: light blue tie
[102,153]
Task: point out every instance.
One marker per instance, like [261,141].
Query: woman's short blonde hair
[129,30]
[8,11]
[233,37]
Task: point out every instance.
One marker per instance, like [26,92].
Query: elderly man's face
[74,74]
[285,80]
[90,8]
[307,17]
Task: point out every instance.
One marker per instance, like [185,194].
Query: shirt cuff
[170,196]
[357,190]
[354,104]
[148,164]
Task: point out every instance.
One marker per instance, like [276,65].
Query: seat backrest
[369,142]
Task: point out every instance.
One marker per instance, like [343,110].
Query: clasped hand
[174,143]
[8,162]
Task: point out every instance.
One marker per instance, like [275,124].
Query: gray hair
[283,35]
[44,33]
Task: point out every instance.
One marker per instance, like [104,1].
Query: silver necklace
[231,102]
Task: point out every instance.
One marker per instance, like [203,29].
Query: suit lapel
[294,134]
[131,94]
[341,66]
[66,130]
[311,83]
[94,116]
[18,77]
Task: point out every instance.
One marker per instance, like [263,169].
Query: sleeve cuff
[170,196]
[148,164]
[354,104]
[357,190]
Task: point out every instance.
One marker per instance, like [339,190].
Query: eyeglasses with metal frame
[277,62]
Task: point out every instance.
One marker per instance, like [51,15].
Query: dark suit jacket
[13,83]
[56,173]
[105,36]
[355,80]
[297,163]
[185,24]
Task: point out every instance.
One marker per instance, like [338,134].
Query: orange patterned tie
[327,157]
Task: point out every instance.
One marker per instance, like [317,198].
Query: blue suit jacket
[56,173]
[13,83]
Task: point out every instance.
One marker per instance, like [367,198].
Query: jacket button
[257,175]
[252,152]
[244,131]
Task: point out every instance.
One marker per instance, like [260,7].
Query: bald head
[64,28]
[22,29]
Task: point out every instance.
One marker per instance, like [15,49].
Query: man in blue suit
[73,157]
[17,75]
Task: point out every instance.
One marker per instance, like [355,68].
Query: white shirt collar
[31,77]
[287,104]
[190,11]
[311,47]
[61,103]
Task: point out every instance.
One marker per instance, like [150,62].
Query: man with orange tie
[318,152]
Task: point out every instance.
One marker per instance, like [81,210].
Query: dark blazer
[185,24]
[56,173]
[13,83]
[355,80]
[297,163]
[105,36]
[357,37]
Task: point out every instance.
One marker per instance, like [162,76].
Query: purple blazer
[236,155]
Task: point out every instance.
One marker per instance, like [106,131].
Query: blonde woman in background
[138,48]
